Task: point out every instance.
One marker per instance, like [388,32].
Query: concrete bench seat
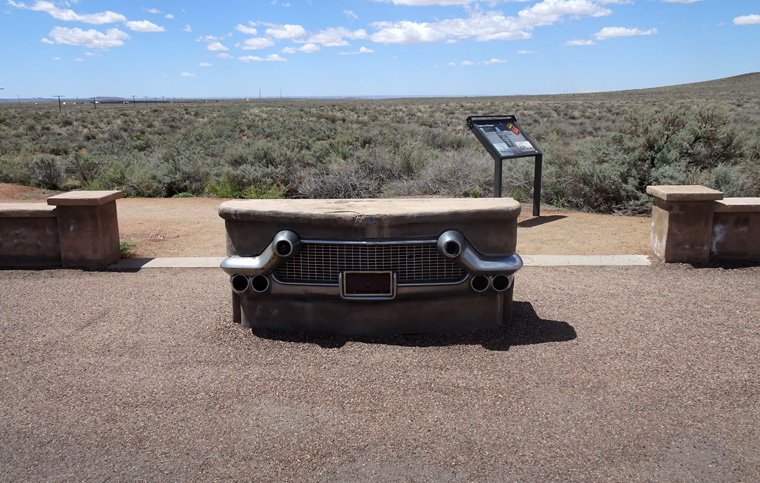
[372,267]
[78,229]
[695,224]
[736,229]
[28,236]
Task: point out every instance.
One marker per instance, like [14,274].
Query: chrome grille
[412,262]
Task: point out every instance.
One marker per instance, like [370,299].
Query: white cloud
[205,64]
[486,26]
[350,14]
[224,56]
[747,20]
[467,63]
[89,38]
[79,59]
[309,48]
[246,29]
[144,26]
[47,41]
[362,50]
[451,64]
[56,58]
[268,58]
[306,49]
[154,10]
[70,15]
[612,32]
[407,33]
[283,32]
[524,52]
[255,43]
[494,61]
[577,42]
[335,36]
[188,28]
[188,74]
[216,46]
[681,1]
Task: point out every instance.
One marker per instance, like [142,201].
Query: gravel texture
[638,373]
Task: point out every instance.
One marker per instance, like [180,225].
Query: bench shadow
[128,265]
[539,220]
[728,264]
[527,328]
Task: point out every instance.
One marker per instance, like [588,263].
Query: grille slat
[413,263]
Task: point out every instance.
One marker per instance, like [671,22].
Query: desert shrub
[453,174]
[133,175]
[338,178]
[262,192]
[45,172]
[83,167]
[225,187]
[187,172]
[727,179]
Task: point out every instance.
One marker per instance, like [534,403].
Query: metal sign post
[504,139]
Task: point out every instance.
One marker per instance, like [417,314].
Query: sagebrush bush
[46,172]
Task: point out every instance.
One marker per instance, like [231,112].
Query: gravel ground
[646,373]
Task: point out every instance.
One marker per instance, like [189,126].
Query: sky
[344,48]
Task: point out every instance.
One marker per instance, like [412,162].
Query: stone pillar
[682,218]
[88,228]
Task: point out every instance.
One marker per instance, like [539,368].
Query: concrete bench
[372,267]
[78,229]
[736,229]
[29,236]
[694,224]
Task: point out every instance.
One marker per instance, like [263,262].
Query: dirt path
[191,227]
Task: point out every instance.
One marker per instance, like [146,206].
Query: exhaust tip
[284,248]
[240,283]
[501,282]
[260,283]
[479,283]
[452,248]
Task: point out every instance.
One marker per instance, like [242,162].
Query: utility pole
[59,101]
[134,101]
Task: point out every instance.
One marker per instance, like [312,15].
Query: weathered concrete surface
[88,228]
[682,222]
[490,223]
[736,229]
[28,236]
[684,193]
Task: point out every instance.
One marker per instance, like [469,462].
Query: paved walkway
[610,373]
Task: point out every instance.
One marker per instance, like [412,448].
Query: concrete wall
[694,224]
[78,229]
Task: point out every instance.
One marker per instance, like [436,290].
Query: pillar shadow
[539,220]
[526,328]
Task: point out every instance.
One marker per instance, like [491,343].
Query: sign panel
[503,137]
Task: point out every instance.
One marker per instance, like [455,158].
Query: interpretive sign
[504,139]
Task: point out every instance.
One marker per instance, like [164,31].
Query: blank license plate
[367,284]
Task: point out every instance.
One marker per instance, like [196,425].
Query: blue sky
[236,48]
